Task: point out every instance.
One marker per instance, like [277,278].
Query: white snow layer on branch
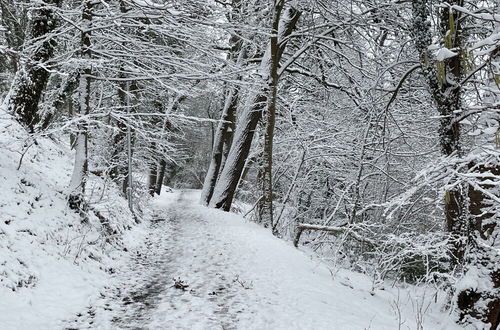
[444,53]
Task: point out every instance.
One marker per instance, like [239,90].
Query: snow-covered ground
[185,267]
[238,276]
[51,264]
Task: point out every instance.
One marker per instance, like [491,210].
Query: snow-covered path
[187,281]
[238,276]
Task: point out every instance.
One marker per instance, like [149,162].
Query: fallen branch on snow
[348,230]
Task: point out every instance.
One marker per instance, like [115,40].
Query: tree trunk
[221,146]
[465,208]
[117,170]
[153,172]
[444,82]
[223,138]
[267,193]
[71,113]
[80,171]
[128,187]
[31,78]
[167,127]
[483,302]
[161,176]
[228,136]
[226,185]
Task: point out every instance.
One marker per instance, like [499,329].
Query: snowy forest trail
[185,278]
[205,269]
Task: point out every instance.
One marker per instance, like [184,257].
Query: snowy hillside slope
[202,268]
[50,262]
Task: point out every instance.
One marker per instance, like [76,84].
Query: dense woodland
[368,131]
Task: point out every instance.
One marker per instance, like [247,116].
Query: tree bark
[161,176]
[80,170]
[221,146]
[117,170]
[130,100]
[465,207]
[267,193]
[223,138]
[482,302]
[31,78]
[226,185]
[153,173]
[443,78]
[167,127]
[349,230]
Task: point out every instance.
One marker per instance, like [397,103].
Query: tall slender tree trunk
[132,91]
[166,128]
[221,146]
[223,137]
[128,182]
[80,170]
[153,172]
[229,134]
[117,170]
[267,193]
[257,102]
[119,159]
[153,161]
[71,113]
[31,78]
